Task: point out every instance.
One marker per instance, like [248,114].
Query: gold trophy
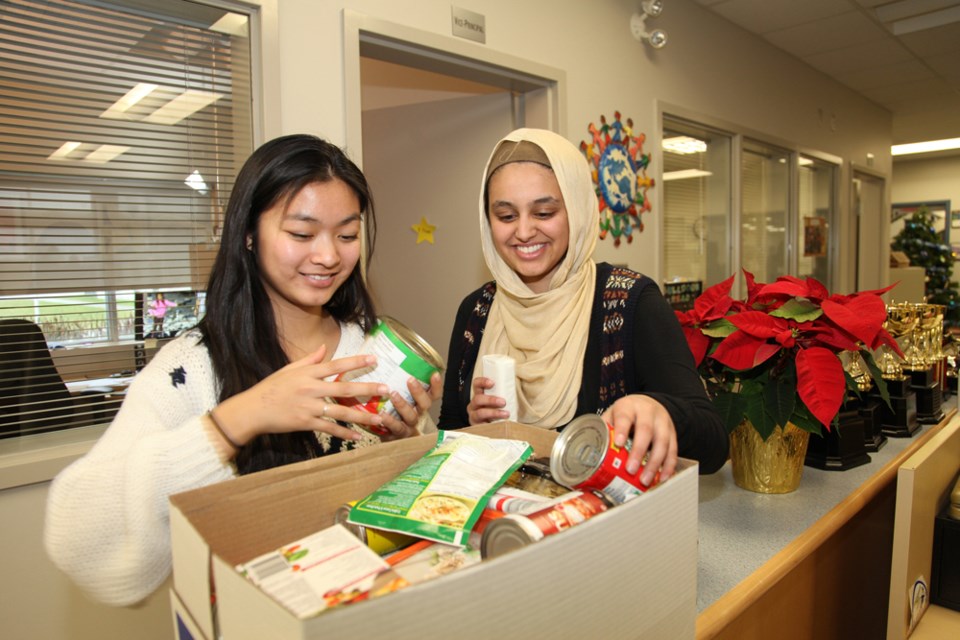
[899,418]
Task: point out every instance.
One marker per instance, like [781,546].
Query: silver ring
[323,414]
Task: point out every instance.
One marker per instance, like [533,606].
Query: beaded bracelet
[223,433]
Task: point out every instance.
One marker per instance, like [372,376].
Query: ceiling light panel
[183,106]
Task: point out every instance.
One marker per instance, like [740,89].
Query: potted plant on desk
[771,363]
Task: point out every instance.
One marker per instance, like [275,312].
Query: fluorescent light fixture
[65,150]
[183,106]
[132,97]
[684,145]
[105,153]
[195,181]
[803,162]
[925,147]
[232,24]
[684,174]
[927,21]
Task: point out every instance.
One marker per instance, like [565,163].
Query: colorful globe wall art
[619,169]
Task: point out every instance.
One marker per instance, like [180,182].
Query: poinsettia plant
[774,357]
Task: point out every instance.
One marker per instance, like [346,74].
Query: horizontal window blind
[122,126]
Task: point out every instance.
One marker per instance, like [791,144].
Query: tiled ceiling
[903,55]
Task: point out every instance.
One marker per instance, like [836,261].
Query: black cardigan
[656,362]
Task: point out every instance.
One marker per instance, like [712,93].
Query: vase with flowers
[771,363]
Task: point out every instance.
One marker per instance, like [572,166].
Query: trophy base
[841,448]
[870,411]
[929,404]
[899,420]
[921,377]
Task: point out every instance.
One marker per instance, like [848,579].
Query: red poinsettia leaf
[685,318]
[785,285]
[878,292]
[697,342]
[883,337]
[714,302]
[759,324]
[820,382]
[861,316]
[816,289]
[740,351]
[753,287]
[832,337]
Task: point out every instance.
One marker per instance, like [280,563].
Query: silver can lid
[340,517]
[506,534]
[579,450]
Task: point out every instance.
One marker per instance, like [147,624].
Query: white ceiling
[891,52]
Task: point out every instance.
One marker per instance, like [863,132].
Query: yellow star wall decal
[424,230]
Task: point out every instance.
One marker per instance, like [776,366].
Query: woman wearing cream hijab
[586,337]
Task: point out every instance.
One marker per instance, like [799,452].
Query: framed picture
[814,236]
[943,219]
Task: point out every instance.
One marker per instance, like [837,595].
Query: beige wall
[709,68]
[925,179]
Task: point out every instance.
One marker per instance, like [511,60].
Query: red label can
[515,530]
[584,456]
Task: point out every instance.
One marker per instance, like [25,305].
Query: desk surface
[114,383]
[740,530]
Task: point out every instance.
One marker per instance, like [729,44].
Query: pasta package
[440,496]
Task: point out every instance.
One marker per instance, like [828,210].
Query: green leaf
[762,422]
[731,407]
[718,329]
[779,398]
[799,309]
[803,419]
[877,376]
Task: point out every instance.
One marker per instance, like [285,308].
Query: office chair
[33,396]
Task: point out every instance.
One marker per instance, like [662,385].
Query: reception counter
[814,563]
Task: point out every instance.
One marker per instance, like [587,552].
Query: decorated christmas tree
[925,248]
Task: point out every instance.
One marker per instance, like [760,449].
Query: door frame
[858,171]
[539,90]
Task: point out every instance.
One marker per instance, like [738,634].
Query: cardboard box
[628,572]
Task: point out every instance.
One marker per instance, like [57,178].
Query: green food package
[440,496]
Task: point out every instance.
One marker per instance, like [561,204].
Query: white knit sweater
[108,521]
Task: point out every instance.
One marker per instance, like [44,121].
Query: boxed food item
[628,572]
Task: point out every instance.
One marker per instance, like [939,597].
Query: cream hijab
[546,333]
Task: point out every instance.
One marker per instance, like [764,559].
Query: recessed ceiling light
[684,145]
[233,24]
[683,174]
[925,147]
[132,97]
[105,153]
[65,150]
[183,106]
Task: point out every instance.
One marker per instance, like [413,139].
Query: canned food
[379,540]
[584,456]
[514,530]
[401,353]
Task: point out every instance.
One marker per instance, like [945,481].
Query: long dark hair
[239,329]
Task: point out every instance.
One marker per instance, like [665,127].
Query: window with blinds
[122,126]
[697,203]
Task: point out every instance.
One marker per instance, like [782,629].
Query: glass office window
[764,220]
[817,213]
[697,203]
[123,125]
